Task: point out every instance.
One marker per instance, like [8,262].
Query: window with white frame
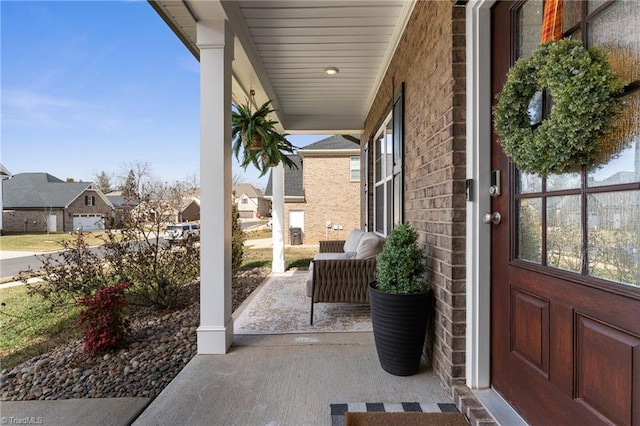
[354,168]
[387,169]
[89,200]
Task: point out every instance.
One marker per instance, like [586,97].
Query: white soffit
[283,46]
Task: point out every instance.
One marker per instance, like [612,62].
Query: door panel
[565,286]
[599,389]
[530,329]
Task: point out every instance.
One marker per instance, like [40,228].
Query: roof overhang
[283,46]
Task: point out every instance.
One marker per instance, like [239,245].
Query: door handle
[494,218]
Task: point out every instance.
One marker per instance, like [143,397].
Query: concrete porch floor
[285,380]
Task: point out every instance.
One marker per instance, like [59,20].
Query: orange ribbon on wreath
[551,21]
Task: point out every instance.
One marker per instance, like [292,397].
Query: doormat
[405,419]
[338,411]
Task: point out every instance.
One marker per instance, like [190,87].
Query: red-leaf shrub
[103,319]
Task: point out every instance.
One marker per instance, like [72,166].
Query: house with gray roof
[122,205]
[322,196]
[251,201]
[40,202]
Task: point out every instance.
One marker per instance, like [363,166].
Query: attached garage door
[87,222]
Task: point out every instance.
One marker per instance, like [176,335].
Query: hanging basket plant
[252,143]
[585,94]
[256,136]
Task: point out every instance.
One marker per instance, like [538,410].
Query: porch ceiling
[282,48]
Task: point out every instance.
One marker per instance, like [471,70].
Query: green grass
[43,242]
[293,256]
[259,234]
[30,328]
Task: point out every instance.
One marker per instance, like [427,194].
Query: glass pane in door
[564,181]
[614,236]
[571,14]
[624,167]
[528,183]
[564,233]
[530,229]
[529,25]
[616,32]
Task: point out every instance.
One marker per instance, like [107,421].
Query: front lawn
[43,242]
[258,234]
[30,328]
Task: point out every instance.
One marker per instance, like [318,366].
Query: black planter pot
[399,327]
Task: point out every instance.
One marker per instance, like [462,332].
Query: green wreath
[584,90]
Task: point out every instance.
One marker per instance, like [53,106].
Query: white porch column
[277,218]
[215,42]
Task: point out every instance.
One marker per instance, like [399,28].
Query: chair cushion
[332,256]
[370,246]
[351,243]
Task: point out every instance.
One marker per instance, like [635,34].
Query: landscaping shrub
[137,255]
[237,239]
[103,319]
[75,272]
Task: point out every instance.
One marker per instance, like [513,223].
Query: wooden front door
[565,286]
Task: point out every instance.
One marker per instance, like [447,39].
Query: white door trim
[478,57]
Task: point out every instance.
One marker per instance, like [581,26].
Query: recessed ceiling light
[331,70]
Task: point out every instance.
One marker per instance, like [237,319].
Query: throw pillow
[370,246]
[351,243]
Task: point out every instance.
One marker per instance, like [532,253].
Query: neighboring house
[121,205]
[4,174]
[40,202]
[416,80]
[191,213]
[322,196]
[251,202]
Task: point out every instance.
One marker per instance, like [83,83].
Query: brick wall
[330,196]
[30,220]
[430,60]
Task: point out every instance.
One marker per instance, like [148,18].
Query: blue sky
[90,86]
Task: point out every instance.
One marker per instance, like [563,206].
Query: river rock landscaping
[162,343]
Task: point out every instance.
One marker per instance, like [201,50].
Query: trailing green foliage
[400,266]
[262,145]
[584,91]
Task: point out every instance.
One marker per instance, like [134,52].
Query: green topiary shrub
[400,266]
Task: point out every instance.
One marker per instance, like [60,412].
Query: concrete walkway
[285,380]
[281,380]
[96,411]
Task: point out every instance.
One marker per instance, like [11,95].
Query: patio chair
[344,276]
